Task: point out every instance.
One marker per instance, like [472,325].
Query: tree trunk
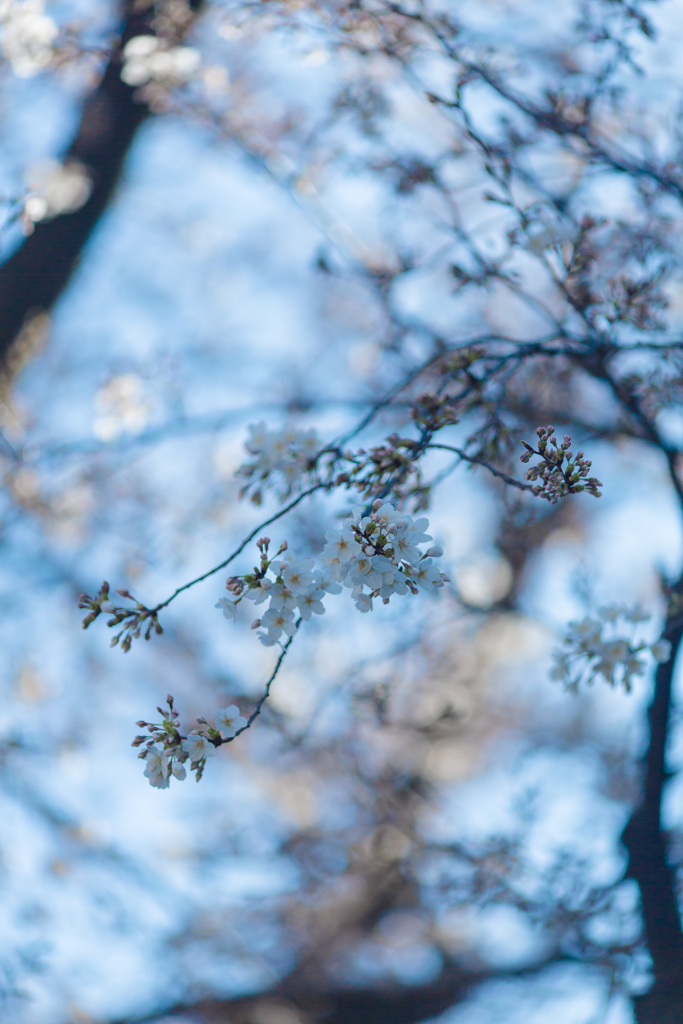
[646,845]
[35,276]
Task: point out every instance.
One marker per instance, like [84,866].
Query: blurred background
[262,216]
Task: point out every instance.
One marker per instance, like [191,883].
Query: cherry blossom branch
[266,693]
[238,551]
[476,460]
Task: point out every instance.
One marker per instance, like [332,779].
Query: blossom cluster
[375,556]
[593,647]
[27,36]
[54,188]
[560,471]
[290,453]
[150,59]
[168,760]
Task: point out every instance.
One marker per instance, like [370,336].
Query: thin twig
[240,549]
[482,462]
[266,693]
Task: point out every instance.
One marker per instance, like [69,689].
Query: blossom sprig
[389,466]
[168,760]
[560,471]
[134,619]
[598,647]
[433,412]
[375,556]
[287,457]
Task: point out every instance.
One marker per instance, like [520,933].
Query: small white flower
[259,593]
[179,771]
[385,515]
[587,631]
[297,575]
[228,606]
[634,667]
[278,622]
[156,768]
[281,598]
[560,670]
[362,565]
[393,585]
[258,437]
[333,562]
[610,613]
[426,575]
[661,651]
[311,604]
[616,651]
[364,603]
[198,747]
[415,530]
[341,544]
[229,721]
[404,548]
[266,640]
[324,581]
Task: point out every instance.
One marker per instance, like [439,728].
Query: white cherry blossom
[661,650]
[311,604]
[277,622]
[282,599]
[229,721]
[341,544]
[324,581]
[198,747]
[297,575]
[228,606]
[426,575]
[156,768]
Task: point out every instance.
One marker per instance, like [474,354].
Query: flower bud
[255,624]
[435,552]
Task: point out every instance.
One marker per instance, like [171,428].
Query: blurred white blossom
[122,407]
[27,36]
[147,59]
[590,652]
[156,768]
[288,452]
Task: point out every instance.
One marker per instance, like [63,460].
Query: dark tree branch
[310,1002]
[645,843]
[36,274]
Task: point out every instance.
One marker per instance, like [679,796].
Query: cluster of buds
[165,760]
[168,758]
[463,359]
[134,619]
[234,585]
[433,412]
[389,464]
[593,647]
[560,471]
